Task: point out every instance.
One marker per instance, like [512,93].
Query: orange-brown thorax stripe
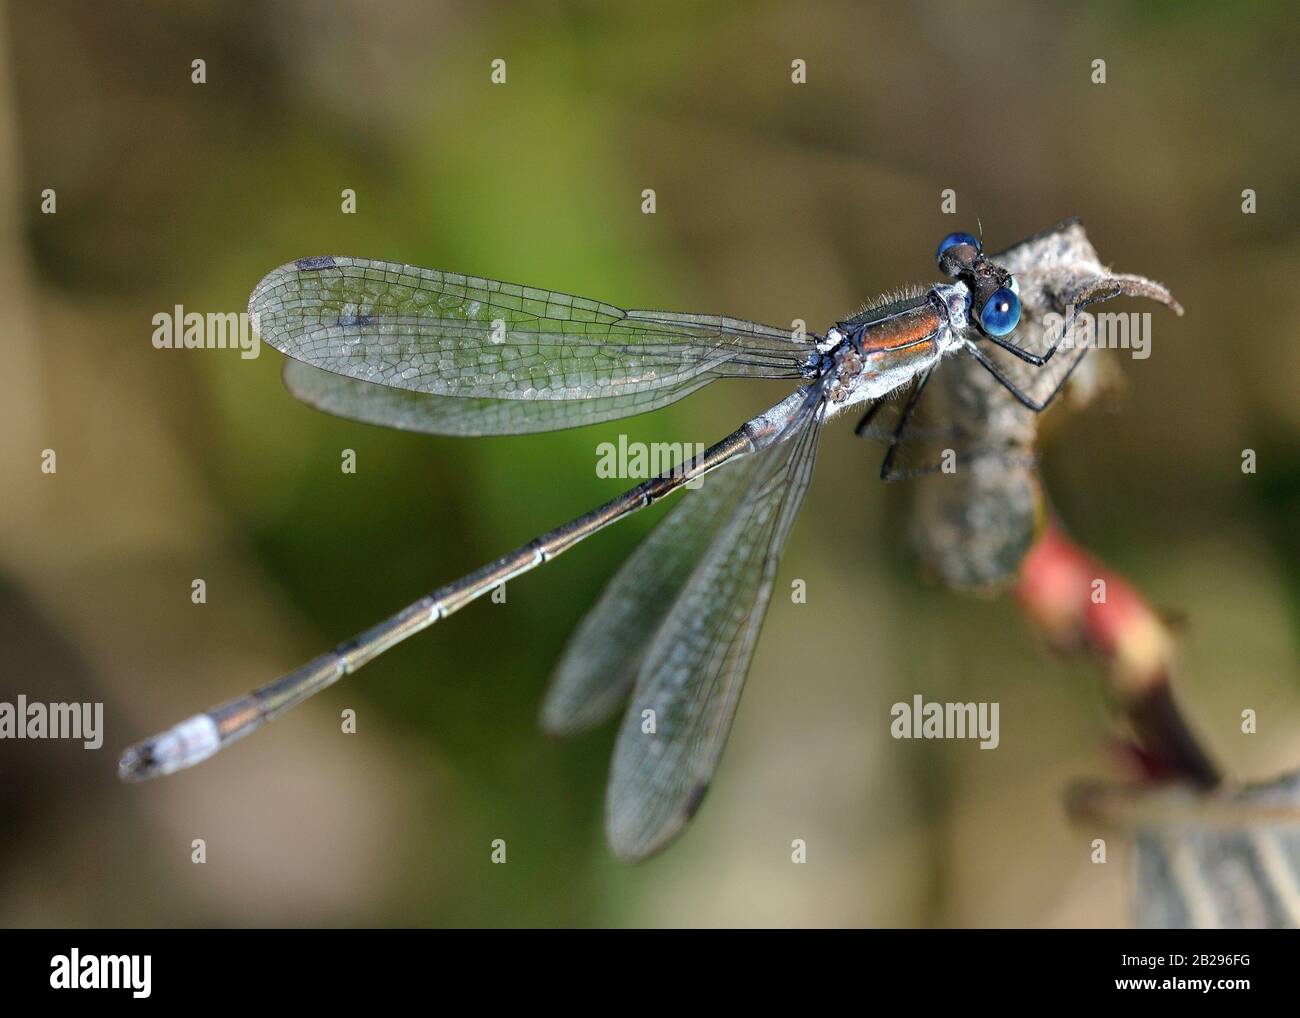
[899,356]
[909,328]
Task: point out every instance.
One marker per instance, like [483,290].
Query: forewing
[464,416]
[601,662]
[453,335]
[693,672]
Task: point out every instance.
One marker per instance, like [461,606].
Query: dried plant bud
[976,525]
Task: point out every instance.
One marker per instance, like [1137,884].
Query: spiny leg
[1037,360]
[864,424]
[903,428]
[896,436]
[1011,387]
[887,471]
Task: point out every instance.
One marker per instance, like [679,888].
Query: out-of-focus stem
[1081,606]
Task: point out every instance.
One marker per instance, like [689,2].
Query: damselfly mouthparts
[675,629]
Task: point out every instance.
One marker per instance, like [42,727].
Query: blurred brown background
[775,201]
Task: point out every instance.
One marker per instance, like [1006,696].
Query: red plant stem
[1081,606]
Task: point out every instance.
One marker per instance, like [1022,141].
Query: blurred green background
[775,202]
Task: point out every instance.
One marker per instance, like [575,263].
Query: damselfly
[674,631]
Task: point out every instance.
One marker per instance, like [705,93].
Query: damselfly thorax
[673,634]
[889,343]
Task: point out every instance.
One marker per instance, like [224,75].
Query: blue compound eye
[952,240]
[1001,312]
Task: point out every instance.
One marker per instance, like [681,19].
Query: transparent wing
[452,335]
[694,669]
[601,661]
[464,416]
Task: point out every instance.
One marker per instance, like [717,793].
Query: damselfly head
[995,295]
